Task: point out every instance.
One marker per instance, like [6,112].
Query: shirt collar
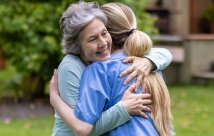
[119,55]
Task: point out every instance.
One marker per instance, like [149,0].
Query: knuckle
[134,66]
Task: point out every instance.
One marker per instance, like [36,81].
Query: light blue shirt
[101,88]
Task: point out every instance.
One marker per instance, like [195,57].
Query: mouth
[103,52]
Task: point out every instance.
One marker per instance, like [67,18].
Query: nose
[102,42]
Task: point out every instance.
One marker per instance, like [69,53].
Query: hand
[53,87]
[136,104]
[140,68]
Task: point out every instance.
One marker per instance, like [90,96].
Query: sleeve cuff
[122,110]
[154,61]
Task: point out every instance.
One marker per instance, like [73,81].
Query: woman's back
[108,91]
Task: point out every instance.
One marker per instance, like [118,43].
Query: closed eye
[92,39]
[104,32]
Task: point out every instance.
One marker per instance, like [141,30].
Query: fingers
[55,71]
[144,96]
[142,109]
[130,78]
[129,59]
[146,101]
[127,71]
[143,114]
[52,80]
[131,88]
[139,80]
[55,75]
[127,94]
[146,109]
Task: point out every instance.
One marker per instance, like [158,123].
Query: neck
[82,57]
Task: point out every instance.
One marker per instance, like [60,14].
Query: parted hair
[73,21]
[121,25]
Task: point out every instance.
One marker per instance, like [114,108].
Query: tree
[30,38]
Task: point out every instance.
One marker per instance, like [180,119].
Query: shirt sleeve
[69,81]
[161,57]
[110,119]
[94,94]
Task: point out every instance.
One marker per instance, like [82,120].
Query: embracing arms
[111,118]
[156,59]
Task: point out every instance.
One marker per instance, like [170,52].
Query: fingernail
[124,83]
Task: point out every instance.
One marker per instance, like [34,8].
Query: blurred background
[30,51]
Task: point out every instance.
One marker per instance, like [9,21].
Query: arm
[119,113]
[78,127]
[95,96]
[161,57]
[111,118]
[156,59]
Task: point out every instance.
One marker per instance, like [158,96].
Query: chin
[105,58]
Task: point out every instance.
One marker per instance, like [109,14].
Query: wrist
[152,64]
[125,105]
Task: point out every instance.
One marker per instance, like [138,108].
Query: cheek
[90,51]
[109,39]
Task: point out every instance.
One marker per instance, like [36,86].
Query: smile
[104,52]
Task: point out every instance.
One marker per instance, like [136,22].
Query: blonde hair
[160,109]
[121,25]
[137,44]
[120,22]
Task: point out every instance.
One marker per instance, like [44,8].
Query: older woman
[85,39]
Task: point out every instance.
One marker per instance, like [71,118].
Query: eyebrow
[94,35]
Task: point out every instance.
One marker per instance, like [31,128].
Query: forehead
[95,27]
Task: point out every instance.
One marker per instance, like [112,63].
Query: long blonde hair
[160,109]
[122,26]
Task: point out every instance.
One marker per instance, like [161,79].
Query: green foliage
[10,80]
[208,14]
[145,21]
[30,35]
[30,38]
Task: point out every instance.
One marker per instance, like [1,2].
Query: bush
[30,38]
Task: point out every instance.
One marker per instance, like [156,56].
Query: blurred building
[189,38]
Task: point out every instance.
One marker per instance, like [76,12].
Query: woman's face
[95,42]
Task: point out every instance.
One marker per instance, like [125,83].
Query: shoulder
[71,65]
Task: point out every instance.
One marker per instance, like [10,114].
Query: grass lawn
[192,106]
[193,110]
[38,126]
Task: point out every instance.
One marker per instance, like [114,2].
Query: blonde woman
[137,43]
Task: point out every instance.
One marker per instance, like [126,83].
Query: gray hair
[73,21]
